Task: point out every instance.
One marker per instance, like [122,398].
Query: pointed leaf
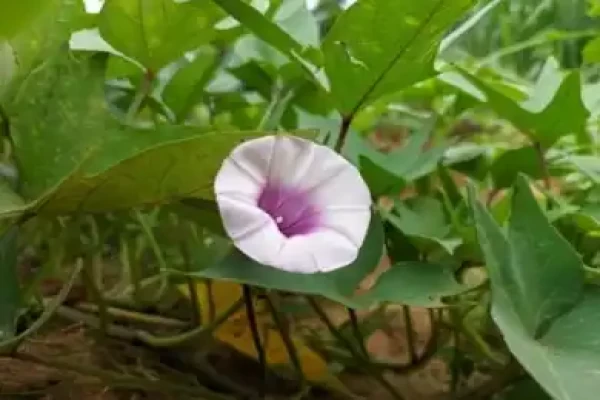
[541,257]
[187,85]
[554,109]
[525,267]
[378,47]
[565,361]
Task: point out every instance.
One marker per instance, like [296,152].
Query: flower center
[291,209]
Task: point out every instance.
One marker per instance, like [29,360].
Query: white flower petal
[252,230]
[333,186]
[322,251]
[332,179]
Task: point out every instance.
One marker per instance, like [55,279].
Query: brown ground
[21,379]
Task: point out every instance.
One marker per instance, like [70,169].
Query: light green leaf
[156,32]
[294,17]
[591,51]
[415,284]
[187,85]
[526,266]
[587,165]
[466,26]
[338,285]
[378,47]
[424,222]
[17,15]
[262,27]
[554,109]
[8,66]
[11,204]
[388,173]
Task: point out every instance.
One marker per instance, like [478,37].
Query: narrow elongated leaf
[262,27]
[466,26]
[554,109]
[378,47]
[186,87]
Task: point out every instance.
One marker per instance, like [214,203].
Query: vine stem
[147,338]
[119,380]
[191,285]
[344,129]
[162,263]
[410,335]
[134,316]
[541,154]
[94,292]
[360,340]
[262,359]
[140,96]
[283,327]
[365,363]
[48,312]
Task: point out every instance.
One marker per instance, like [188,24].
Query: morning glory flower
[292,204]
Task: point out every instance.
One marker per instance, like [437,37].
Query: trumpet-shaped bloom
[292,204]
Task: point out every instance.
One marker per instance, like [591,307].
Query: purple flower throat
[290,208]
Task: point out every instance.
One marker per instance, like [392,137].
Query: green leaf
[135,171]
[17,15]
[10,297]
[111,166]
[388,173]
[187,85]
[415,284]
[507,167]
[587,165]
[338,285]
[554,109]
[526,266]
[464,28]
[11,204]
[565,361]
[364,63]
[423,220]
[300,23]
[156,32]
[261,26]
[8,66]
[39,43]
[591,51]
